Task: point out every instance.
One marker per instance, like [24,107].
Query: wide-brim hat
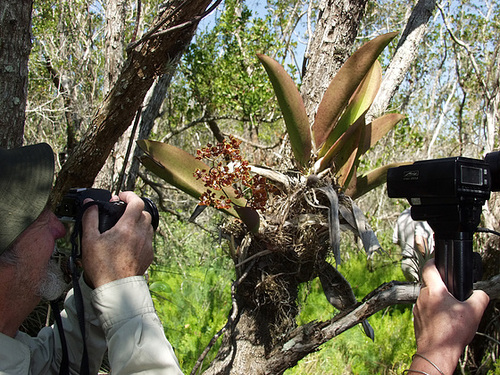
[26,175]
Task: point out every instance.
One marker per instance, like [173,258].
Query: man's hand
[122,251]
[444,325]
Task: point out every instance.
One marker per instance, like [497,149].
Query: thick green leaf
[342,149]
[346,161]
[364,183]
[292,108]
[378,128]
[359,104]
[177,167]
[371,134]
[344,84]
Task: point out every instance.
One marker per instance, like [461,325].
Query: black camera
[449,194]
[109,212]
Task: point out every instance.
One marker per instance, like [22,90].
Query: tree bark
[331,44]
[309,337]
[149,57]
[115,11]
[149,114]
[15,42]
[406,53]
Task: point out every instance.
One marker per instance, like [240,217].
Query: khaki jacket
[119,316]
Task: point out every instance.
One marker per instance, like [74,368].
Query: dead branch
[308,338]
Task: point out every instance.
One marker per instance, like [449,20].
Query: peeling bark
[148,58]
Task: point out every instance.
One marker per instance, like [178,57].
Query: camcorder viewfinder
[449,194]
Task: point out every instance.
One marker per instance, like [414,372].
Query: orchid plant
[335,142]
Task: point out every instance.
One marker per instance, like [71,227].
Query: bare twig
[129,149]
[154,32]
[467,48]
[137,19]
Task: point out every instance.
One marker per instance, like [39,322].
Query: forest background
[216,87]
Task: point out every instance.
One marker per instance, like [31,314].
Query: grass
[193,306]
[352,352]
[193,301]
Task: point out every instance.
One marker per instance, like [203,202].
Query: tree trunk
[265,299]
[115,11]
[331,44]
[241,351]
[151,111]
[147,58]
[15,42]
[406,53]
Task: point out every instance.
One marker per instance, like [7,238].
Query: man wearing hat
[118,311]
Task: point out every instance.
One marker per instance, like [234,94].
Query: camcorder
[449,194]
[72,206]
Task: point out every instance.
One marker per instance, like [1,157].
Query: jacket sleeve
[46,351]
[134,333]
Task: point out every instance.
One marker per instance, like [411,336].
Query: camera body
[449,194]
[72,204]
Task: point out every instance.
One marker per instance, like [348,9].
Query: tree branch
[153,58]
[467,49]
[405,55]
[309,337]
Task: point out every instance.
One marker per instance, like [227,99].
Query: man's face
[35,246]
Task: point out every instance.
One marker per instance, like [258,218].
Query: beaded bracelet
[428,360]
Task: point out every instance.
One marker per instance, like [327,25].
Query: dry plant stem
[258,255]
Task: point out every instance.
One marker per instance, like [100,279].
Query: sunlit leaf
[177,167]
[344,84]
[360,102]
[292,108]
[378,128]
[366,182]
[342,149]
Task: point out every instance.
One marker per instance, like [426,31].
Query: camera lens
[150,207]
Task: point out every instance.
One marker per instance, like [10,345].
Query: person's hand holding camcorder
[122,251]
[443,325]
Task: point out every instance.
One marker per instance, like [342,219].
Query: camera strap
[77,293]
[75,275]
[64,368]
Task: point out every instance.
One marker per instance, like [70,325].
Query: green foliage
[352,352]
[220,67]
[190,284]
[193,302]
[193,306]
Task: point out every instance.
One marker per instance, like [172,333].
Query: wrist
[439,362]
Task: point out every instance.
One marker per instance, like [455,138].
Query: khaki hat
[26,175]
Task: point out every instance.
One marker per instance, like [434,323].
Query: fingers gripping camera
[72,207]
